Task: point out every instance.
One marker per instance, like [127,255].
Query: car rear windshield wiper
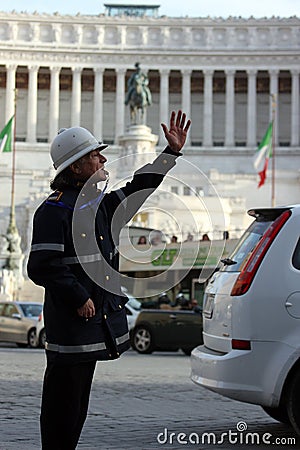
[228,262]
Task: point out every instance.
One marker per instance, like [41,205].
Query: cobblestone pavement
[137,403]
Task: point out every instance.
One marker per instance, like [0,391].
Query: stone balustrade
[194,34]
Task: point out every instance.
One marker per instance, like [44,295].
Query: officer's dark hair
[63,180]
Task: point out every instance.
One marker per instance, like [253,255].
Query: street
[138,402]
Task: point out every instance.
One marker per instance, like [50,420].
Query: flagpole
[15,256]
[12,228]
[273,96]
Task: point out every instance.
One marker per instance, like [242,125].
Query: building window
[131,10]
[186,190]
[174,189]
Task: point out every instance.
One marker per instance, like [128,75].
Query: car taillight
[240,344]
[246,276]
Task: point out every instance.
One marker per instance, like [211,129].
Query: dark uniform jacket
[74,255]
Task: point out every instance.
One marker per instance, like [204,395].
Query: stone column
[13,31]
[295,118]
[143,30]
[76,97]
[34,31]
[208,108]
[78,35]
[120,105]
[57,32]
[10,91]
[163,102]
[98,103]
[166,35]
[54,102]
[251,109]
[100,37]
[230,117]
[32,103]
[274,92]
[143,119]
[186,96]
[123,34]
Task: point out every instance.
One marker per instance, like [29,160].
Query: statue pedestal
[138,146]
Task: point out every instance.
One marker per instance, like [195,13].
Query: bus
[158,265]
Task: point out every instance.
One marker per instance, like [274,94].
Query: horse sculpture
[138,96]
[137,102]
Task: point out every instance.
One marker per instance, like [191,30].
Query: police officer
[74,256]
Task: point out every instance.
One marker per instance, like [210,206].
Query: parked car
[251,319]
[40,331]
[167,329]
[18,322]
[132,307]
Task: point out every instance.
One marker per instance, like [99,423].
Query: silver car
[251,313]
[18,322]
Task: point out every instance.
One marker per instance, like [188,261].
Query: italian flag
[6,137]
[263,154]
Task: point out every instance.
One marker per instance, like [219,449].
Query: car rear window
[246,245]
[31,310]
[296,256]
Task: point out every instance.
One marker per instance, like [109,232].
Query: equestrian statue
[138,96]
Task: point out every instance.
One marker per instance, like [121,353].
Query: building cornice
[152,60]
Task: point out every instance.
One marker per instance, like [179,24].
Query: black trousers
[65,400]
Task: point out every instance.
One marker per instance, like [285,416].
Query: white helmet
[70,145]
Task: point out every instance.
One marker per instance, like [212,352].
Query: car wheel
[32,339]
[280,413]
[293,401]
[142,340]
[42,338]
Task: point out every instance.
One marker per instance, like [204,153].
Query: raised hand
[176,134]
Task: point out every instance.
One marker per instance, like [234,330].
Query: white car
[251,319]
[40,331]
[18,322]
[132,307]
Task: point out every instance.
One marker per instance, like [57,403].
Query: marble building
[73,70]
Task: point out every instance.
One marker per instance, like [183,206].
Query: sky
[171,8]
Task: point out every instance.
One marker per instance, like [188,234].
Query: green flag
[6,137]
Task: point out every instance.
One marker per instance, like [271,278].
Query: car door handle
[173,316]
[289,304]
